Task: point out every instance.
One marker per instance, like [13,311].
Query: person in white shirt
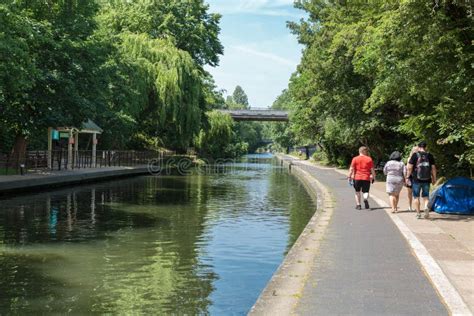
[396,171]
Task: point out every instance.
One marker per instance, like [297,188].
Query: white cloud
[255,7]
[259,53]
[267,56]
[262,4]
[254,66]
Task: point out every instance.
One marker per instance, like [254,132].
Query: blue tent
[456,196]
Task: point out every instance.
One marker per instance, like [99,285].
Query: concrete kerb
[38,183]
[283,292]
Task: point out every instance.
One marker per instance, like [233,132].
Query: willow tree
[171,89]
[159,86]
[187,24]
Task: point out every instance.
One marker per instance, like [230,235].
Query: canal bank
[52,179]
[361,264]
[284,291]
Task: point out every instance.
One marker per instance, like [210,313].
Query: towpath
[365,266]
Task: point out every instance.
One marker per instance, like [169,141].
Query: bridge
[258,114]
[266,141]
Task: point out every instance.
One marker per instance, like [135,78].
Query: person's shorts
[421,187]
[363,185]
[411,183]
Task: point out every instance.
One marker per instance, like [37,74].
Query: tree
[425,75]
[213,97]
[246,132]
[384,75]
[239,98]
[281,132]
[51,77]
[160,48]
[249,133]
[186,24]
[219,140]
[135,67]
[17,71]
[168,114]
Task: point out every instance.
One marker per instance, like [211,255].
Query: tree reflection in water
[148,244]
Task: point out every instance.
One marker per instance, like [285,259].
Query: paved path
[45,180]
[365,266]
[449,241]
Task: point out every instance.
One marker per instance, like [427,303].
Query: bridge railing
[254,110]
[260,109]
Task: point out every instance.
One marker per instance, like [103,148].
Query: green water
[199,244]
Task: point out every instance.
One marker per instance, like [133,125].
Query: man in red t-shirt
[361,174]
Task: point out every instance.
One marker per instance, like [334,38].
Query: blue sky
[260,53]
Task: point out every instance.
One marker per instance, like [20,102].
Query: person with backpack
[409,180]
[422,166]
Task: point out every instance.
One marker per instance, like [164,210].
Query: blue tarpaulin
[456,196]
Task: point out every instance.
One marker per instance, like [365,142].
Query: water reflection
[187,245]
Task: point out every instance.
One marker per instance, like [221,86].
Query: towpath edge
[360,265]
[284,290]
[31,182]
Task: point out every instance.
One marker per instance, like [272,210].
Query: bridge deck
[258,115]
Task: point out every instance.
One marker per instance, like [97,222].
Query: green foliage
[50,70]
[171,83]
[214,98]
[187,24]
[239,98]
[249,133]
[386,75]
[159,50]
[281,132]
[219,140]
[134,67]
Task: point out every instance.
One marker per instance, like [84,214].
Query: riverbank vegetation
[134,67]
[385,74]
[224,138]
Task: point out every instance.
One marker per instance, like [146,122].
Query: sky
[260,53]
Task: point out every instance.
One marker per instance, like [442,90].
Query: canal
[205,243]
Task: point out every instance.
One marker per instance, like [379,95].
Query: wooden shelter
[88,127]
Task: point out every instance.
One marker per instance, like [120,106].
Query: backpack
[423,167]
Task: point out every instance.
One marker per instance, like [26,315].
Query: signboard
[63,135]
[55,134]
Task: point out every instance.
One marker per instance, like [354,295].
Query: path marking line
[446,290]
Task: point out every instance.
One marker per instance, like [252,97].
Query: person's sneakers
[427,213]
[366,204]
[410,209]
[418,215]
[358,207]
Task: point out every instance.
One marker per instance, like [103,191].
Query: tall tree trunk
[18,153]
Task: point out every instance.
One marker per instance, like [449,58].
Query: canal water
[205,243]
